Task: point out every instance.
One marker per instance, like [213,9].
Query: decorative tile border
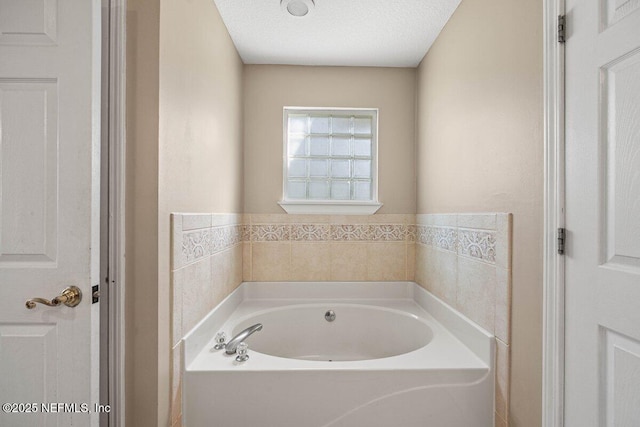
[479,244]
[388,233]
[441,237]
[350,232]
[329,232]
[424,235]
[270,233]
[445,238]
[201,243]
[246,233]
[310,232]
[196,245]
[475,244]
[411,233]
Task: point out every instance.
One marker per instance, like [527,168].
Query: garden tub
[374,354]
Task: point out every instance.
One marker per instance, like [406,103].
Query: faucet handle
[221,337]
[243,352]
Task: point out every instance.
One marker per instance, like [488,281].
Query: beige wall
[480,149]
[268,88]
[143,23]
[185,146]
[200,159]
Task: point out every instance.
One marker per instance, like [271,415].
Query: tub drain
[330,316]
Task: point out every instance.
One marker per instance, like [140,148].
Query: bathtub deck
[445,352]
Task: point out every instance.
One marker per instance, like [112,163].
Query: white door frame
[115,74]
[554,204]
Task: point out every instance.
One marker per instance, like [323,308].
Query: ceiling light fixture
[297,8]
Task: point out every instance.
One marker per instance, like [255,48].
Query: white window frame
[336,207]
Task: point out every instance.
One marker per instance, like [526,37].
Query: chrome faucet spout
[233,344]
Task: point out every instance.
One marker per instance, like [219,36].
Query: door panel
[621,383]
[31,349]
[49,208]
[621,162]
[614,10]
[24,22]
[602,340]
[29,165]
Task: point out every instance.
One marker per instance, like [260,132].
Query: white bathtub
[394,356]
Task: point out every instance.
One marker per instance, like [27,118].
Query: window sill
[305,207]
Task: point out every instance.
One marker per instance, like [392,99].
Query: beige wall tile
[502,379]
[349,219]
[270,219]
[236,267]
[176,308]
[440,273]
[230,255]
[422,219]
[504,227]
[421,266]
[235,218]
[502,327]
[387,219]
[436,271]
[220,219]
[476,295]
[483,221]
[348,261]
[386,261]
[446,274]
[196,292]
[176,259]
[411,261]
[409,219]
[310,261]
[195,221]
[309,219]
[220,276]
[271,261]
[442,220]
[176,382]
[246,262]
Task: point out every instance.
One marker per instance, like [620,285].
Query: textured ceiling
[382,33]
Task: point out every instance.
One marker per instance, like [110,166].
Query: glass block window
[330,155]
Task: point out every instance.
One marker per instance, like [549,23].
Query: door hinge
[562,28]
[95,294]
[561,237]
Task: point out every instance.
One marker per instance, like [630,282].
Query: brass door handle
[70,297]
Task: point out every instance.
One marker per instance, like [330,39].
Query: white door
[602,365]
[49,192]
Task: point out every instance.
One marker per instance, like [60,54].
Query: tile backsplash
[206,266]
[324,247]
[464,259]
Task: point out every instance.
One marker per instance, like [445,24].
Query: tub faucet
[233,343]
